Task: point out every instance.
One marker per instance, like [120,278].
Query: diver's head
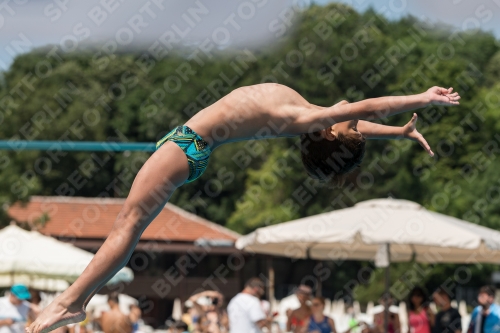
[330,154]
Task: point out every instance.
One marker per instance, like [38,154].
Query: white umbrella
[384,230]
[362,231]
[35,282]
[43,262]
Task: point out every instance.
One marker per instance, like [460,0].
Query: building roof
[93,218]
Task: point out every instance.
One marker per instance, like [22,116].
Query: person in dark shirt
[448,319]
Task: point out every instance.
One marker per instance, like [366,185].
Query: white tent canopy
[360,232]
[43,262]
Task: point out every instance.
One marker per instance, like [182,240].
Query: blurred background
[126,71]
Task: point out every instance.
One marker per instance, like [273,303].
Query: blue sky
[32,24]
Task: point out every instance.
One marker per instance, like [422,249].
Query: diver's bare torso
[259,111]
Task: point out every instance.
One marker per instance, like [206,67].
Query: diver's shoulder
[267,86]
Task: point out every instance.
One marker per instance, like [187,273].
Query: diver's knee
[129,218]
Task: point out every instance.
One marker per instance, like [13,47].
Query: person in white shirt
[245,311]
[15,310]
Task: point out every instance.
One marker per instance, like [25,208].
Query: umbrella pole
[387,285]
[319,286]
[270,276]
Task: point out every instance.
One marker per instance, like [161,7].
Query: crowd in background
[20,306]
[247,312]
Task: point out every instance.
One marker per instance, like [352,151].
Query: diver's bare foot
[56,315]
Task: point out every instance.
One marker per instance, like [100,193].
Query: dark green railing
[77,145]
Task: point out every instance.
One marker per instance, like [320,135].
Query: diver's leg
[162,173]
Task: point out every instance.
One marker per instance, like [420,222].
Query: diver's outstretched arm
[378,131]
[409,131]
[381,107]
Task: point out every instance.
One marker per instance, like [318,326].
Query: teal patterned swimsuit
[196,149]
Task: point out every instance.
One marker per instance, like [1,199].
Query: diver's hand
[442,96]
[410,132]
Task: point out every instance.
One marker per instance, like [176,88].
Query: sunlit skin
[301,314]
[369,130]
[265,110]
[114,321]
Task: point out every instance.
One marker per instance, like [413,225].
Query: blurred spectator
[190,315]
[486,317]
[318,322]
[378,326]
[81,327]
[203,324]
[298,317]
[114,321]
[420,316]
[224,322]
[266,307]
[135,316]
[62,329]
[353,322]
[178,327]
[448,319]
[209,305]
[245,311]
[15,310]
[35,301]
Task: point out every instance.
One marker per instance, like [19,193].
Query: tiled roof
[80,217]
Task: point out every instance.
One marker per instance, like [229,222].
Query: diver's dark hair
[331,161]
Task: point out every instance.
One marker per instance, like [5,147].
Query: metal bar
[76,146]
